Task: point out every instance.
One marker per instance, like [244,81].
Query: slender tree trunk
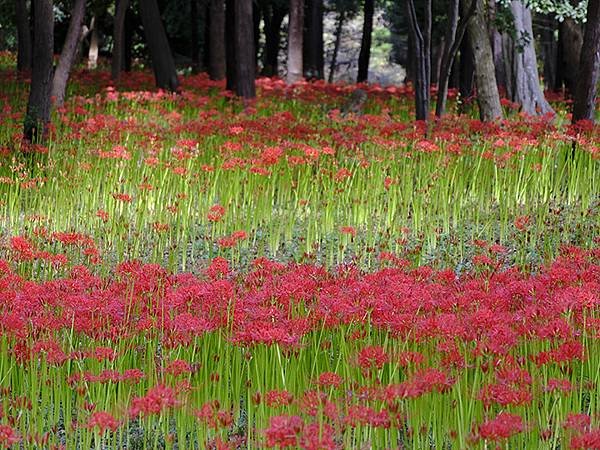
[523,80]
[23,37]
[313,41]
[158,44]
[466,76]
[548,50]
[93,50]
[365,45]
[273,20]
[589,66]
[216,40]
[488,98]
[230,43]
[194,40]
[336,46]
[245,65]
[118,54]
[37,118]
[67,55]
[421,85]
[295,31]
[454,38]
[129,33]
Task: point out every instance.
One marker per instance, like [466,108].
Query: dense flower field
[178,271]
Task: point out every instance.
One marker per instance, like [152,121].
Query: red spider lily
[275,398]
[103,421]
[284,431]
[586,441]
[503,426]
[372,356]
[8,436]
[216,213]
[155,401]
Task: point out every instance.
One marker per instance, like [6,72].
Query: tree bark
[454,38]
[421,78]
[589,66]
[158,45]
[488,98]
[37,117]
[522,77]
[313,41]
[245,66]
[230,33]
[273,17]
[466,72]
[365,45]
[118,54]
[216,40]
[23,37]
[570,43]
[67,55]
[295,31]
[336,46]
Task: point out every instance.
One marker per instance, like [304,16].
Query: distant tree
[37,117]
[520,62]
[118,53]
[216,39]
[67,55]
[589,66]
[245,65]
[274,12]
[295,34]
[365,45]
[421,45]
[488,97]
[158,45]
[194,39]
[23,36]
[313,40]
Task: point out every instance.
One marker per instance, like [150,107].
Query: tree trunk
[365,44]
[313,41]
[295,31]
[589,66]
[256,16]
[216,40]
[421,85]
[273,17]
[230,43]
[67,55]
[37,118]
[466,72]
[118,54]
[158,45]
[522,78]
[485,76]
[93,50]
[245,65]
[570,43]
[336,46]
[129,32]
[194,40]
[23,37]
[454,38]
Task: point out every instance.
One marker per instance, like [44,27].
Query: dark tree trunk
[365,44]
[421,80]
[522,78]
[256,16]
[589,66]
[37,118]
[230,43]
[129,32]
[194,43]
[313,40]
[295,32]
[273,17]
[548,47]
[216,40]
[158,45]
[454,38]
[23,37]
[466,76]
[336,46]
[245,66]
[496,43]
[67,55]
[488,98]
[118,54]
[570,43]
